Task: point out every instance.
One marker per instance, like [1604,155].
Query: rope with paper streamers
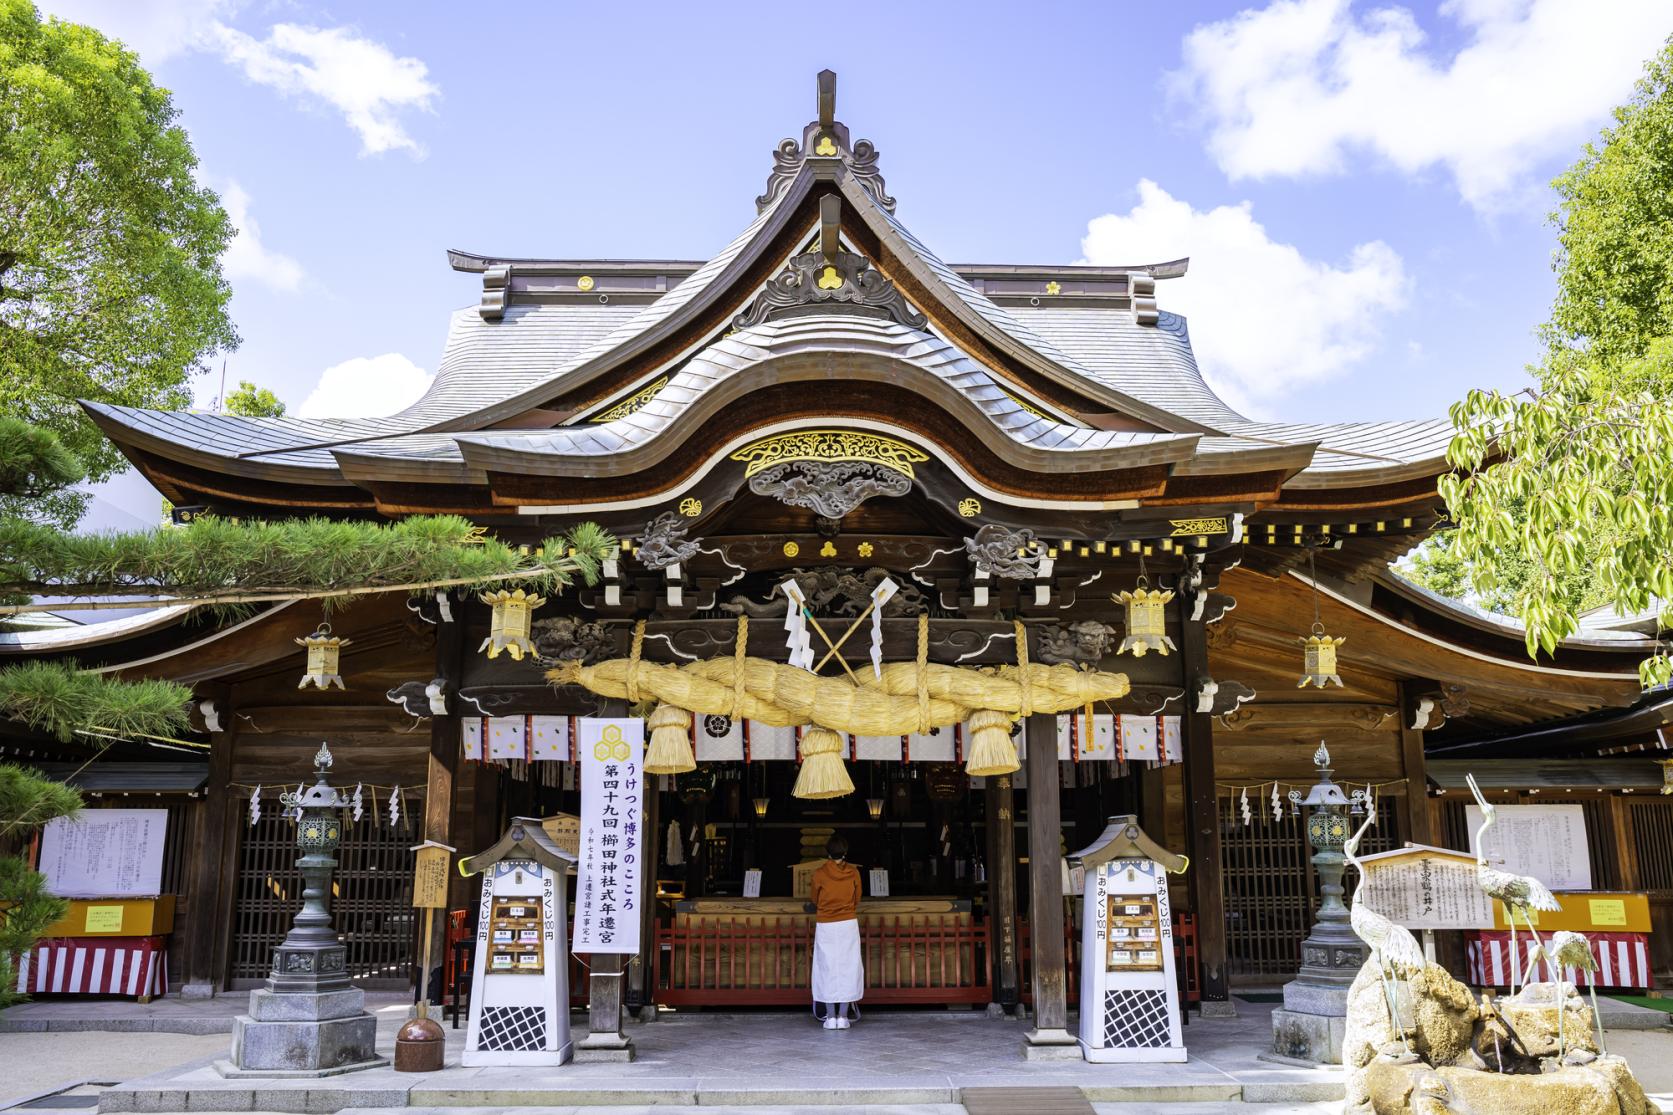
[1280,794]
[390,803]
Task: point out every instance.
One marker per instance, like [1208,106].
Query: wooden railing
[907,959]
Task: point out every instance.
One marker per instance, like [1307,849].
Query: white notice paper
[880,882]
[752,883]
[107,853]
[1545,841]
[612,756]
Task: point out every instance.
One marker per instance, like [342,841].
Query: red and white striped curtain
[95,966]
[1623,960]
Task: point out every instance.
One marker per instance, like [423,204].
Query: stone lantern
[308,1020]
[1311,1023]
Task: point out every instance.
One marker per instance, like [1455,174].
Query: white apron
[837,974]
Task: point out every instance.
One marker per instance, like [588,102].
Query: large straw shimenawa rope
[907,697]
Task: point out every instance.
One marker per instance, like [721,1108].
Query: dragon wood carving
[831,592]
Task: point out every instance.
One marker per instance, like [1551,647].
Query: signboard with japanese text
[1545,841]
[105,853]
[1421,887]
[607,900]
[430,875]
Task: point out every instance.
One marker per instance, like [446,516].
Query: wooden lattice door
[370,903]
[1270,889]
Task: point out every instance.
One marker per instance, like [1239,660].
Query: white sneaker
[833,1023]
[842,1022]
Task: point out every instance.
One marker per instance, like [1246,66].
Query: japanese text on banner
[607,913]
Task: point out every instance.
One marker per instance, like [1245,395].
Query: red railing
[768,962]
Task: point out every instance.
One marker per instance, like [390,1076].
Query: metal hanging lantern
[1146,618]
[323,651]
[1318,649]
[1319,659]
[509,630]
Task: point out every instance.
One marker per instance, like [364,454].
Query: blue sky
[1362,190]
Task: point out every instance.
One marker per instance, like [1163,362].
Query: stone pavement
[903,1062]
[772,1059]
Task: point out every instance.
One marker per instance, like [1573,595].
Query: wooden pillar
[1419,820]
[641,992]
[1045,888]
[1202,819]
[605,1040]
[441,770]
[1002,890]
[208,927]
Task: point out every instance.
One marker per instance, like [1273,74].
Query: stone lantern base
[304,1034]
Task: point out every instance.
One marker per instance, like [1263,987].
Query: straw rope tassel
[670,747]
[924,724]
[822,773]
[992,750]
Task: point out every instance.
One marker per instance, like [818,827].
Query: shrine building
[1019,449]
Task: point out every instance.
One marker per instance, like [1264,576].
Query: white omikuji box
[521,1017]
[1128,1014]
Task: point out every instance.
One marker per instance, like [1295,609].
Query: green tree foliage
[27,802]
[1564,498]
[110,275]
[249,401]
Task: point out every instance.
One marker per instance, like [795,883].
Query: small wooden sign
[564,830]
[429,875]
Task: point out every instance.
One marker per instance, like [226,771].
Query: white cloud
[336,66]
[247,257]
[359,77]
[156,30]
[1265,319]
[366,387]
[1304,87]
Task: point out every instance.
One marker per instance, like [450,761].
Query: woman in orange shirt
[838,979]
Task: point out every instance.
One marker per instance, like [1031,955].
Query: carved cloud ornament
[1011,554]
[664,542]
[829,488]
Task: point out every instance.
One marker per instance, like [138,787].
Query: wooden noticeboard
[1421,887]
[429,875]
[564,830]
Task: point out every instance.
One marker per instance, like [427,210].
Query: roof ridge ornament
[829,278]
[825,138]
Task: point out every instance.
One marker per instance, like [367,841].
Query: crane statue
[1393,948]
[1519,893]
[1572,950]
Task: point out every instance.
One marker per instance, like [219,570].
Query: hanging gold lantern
[1320,659]
[1147,625]
[323,650]
[509,630]
[1318,649]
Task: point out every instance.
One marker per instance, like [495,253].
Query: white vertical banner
[612,758]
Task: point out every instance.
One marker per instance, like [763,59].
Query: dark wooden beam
[1000,800]
[1419,828]
[1045,889]
[1203,823]
[441,770]
[205,925]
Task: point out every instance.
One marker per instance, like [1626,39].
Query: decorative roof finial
[825,137]
[827,99]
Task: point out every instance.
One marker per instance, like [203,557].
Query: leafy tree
[1564,494]
[249,401]
[27,802]
[110,275]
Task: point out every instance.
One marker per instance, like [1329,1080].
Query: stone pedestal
[303,1034]
[1311,1024]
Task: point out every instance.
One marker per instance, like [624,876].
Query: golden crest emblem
[969,507]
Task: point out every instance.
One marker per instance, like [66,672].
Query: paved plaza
[68,1055]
